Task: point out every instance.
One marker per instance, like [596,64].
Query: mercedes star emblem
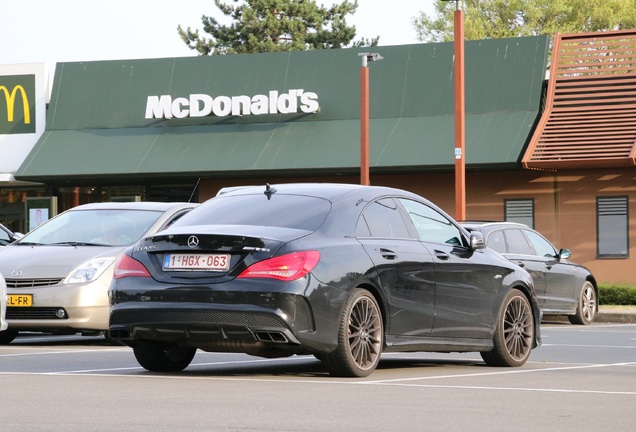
[193,241]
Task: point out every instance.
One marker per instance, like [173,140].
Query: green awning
[396,144]
[96,127]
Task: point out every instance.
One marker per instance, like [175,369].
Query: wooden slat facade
[590,114]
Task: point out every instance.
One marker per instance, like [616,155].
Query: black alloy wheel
[514,334]
[360,338]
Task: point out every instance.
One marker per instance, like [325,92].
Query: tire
[587,305]
[514,334]
[360,338]
[7,336]
[157,357]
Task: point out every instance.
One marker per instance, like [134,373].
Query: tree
[486,19]
[275,25]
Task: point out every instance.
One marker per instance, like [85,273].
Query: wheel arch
[591,279]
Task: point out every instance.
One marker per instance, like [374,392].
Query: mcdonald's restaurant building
[540,151]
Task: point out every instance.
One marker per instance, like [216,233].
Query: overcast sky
[50,31]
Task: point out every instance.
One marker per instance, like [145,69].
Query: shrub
[616,294]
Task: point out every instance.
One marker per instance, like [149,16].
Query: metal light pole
[364,115]
[460,117]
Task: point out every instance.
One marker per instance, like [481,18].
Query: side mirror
[477,240]
[564,254]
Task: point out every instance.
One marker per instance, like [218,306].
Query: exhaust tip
[269,336]
[119,334]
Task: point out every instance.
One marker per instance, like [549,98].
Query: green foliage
[616,294]
[275,25]
[491,19]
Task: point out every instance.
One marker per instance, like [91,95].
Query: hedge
[615,294]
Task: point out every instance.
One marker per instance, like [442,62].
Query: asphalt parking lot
[580,378]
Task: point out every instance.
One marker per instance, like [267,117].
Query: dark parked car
[563,287]
[343,272]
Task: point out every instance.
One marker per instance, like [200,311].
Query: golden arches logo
[10,101]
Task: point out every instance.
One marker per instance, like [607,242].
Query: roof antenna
[269,191]
[194,190]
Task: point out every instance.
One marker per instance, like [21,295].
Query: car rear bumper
[208,328]
[226,321]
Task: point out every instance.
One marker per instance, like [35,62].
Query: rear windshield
[289,211]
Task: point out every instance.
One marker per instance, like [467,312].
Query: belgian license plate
[20,300]
[207,262]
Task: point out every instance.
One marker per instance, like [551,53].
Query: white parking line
[590,346]
[97,371]
[507,372]
[585,329]
[522,389]
[63,351]
[394,383]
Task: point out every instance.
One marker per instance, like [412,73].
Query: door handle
[388,254]
[521,264]
[441,255]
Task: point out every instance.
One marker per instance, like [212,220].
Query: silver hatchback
[3,303]
[58,274]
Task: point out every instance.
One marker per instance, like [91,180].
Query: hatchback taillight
[127,266]
[285,267]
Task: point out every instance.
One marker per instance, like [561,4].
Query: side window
[431,225]
[517,243]
[497,241]
[382,218]
[541,246]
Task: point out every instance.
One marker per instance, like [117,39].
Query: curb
[616,317]
[609,315]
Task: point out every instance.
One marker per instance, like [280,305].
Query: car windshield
[112,227]
[290,211]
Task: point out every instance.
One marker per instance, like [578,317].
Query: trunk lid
[234,246]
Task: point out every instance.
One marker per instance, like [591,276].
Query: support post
[460,120]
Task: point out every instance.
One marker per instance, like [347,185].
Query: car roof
[340,195]
[492,224]
[143,205]
[330,191]
[316,189]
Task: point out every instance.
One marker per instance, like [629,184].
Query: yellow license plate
[20,300]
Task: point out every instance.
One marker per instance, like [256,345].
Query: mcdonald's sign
[17,104]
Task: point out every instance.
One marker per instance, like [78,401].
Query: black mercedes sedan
[339,271]
[563,287]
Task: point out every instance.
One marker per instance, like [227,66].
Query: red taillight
[128,266]
[286,267]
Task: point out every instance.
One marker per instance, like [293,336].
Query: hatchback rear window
[289,211]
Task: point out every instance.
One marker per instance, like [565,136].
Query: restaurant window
[612,227]
[520,211]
